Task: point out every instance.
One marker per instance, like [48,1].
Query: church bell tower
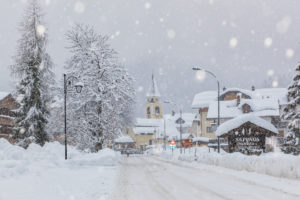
[153,106]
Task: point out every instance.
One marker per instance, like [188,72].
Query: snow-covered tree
[33,69]
[105,103]
[292,113]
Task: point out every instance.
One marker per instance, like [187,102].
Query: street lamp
[68,81]
[212,74]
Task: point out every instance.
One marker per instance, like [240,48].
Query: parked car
[131,151]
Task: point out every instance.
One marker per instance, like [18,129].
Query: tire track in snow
[230,177]
[200,190]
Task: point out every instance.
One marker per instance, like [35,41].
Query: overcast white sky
[244,42]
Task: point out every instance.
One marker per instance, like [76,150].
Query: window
[211,129]
[157,110]
[148,111]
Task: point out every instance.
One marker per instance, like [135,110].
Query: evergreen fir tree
[292,113]
[33,69]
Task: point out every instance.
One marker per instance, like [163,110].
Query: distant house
[124,142]
[266,103]
[8,106]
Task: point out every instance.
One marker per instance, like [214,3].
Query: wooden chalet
[247,134]
[8,106]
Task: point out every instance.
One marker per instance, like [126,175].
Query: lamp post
[68,81]
[165,135]
[212,74]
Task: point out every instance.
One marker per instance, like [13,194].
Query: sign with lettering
[246,141]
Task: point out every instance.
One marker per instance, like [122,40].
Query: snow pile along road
[36,171]
[275,164]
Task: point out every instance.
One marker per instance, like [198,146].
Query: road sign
[180,121]
[172,144]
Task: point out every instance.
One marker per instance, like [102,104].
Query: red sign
[187,143]
[173,143]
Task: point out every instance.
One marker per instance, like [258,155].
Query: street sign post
[172,145]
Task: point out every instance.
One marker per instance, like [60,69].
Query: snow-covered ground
[42,173]
[275,164]
[153,177]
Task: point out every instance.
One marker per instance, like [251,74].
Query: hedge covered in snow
[275,164]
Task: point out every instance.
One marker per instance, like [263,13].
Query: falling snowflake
[233,42]
[270,72]
[275,84]
[268,42]
[171,34]
[283,25]
[211,2]
[40,29]
[117,33]
[289,53]
[79,7]
[140,89]
[47,2]
[137,22]
[161,19]
[147,5]
[22,131]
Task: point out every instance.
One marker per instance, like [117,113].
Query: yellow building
[147,129]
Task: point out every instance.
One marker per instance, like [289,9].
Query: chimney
[238,98]
[224,88]
[253,88]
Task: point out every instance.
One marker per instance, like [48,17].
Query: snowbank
[42,173]
[274,164]
[17,161]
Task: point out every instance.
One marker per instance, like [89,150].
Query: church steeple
[153,90]
[153,106]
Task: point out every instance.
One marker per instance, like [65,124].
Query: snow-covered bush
[275,164]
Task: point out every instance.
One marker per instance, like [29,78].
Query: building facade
[8,107]
[266,103]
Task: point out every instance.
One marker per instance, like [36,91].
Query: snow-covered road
[153,178]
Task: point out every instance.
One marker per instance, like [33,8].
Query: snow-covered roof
[153,90]
[187,135]
[279,95]
[243,91]
[144,122]
[3,95]
[203,99]
[242,119]
[201,139]
[230,109]
[124,139]
[187,117]
[158,126]
[144,130]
